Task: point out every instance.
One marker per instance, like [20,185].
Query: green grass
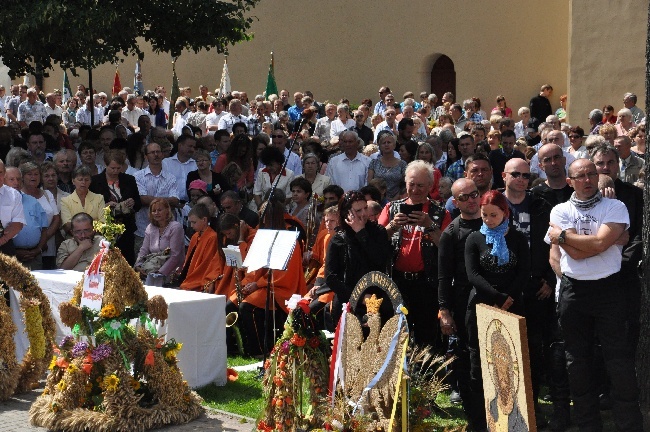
[242,397]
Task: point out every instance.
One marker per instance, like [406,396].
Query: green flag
[176,92]
[67,91]
[271,86]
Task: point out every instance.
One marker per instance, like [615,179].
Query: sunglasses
[517,174]
[465,197]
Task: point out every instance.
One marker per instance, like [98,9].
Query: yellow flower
[111,382]
[108,311]
[135,384]
[52,363]
[73,368]
[61,385]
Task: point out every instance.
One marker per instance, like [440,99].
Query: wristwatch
[562,237]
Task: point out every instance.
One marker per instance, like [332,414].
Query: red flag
[117,85]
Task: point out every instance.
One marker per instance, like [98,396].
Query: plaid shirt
[456,170]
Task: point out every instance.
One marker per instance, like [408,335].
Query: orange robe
[285,282]
[328,297]
[206,247]
[226,284]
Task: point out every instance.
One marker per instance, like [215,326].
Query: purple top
[172,237]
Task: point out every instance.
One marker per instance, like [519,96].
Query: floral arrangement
[109,229]
[18,377]
[296,376]
[115,372]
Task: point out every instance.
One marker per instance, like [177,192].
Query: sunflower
[111,382]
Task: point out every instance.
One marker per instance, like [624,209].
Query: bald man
[516,176]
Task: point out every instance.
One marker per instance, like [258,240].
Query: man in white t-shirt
[587,235]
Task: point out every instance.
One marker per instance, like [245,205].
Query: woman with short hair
[625,122]
[387,166]
[81,200]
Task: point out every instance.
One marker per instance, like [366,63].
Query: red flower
[298,340]
[314,342]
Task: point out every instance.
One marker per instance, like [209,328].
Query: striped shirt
[161,186]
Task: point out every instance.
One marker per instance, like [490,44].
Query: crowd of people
[527,213]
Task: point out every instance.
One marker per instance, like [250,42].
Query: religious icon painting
[505,365]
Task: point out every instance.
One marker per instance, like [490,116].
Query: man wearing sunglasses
[516,176]
[453,294]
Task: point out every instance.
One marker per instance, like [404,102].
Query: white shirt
[213,120]
[350,174]
[179,170]
[588,222]
[227,121]
[535,169]
[263,182]
[382,127]
[83,116]
[57,110]
[48,203]
[337,127]
[133,115]
[11,206]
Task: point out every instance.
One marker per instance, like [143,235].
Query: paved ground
[14,417]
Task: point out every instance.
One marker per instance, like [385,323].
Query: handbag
[154,261]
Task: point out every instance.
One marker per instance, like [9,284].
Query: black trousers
[421,299]
[251,321]
[590,309]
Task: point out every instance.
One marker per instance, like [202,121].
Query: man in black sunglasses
[516,175]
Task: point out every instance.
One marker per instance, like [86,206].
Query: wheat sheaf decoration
[20,375]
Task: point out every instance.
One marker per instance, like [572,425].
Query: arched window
[443,77]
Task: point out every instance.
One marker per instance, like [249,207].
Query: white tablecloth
[196,320]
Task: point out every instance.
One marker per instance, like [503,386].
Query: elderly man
[31,109]
[629,100]
[364,132]
[585,254]
[233,116]
[440,110]
[78,252]
[12,217]
[231,203]
[390,124]
[595,121]
[324,124]
[415,224]
[630,164]
[31,239]
[64,165]
[453,293]
[350,168]
[51,108]
[132,113]
[36,146]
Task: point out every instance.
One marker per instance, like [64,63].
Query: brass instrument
[231,319]
[238,289]
[312,220]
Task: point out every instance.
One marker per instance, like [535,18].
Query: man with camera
[414,225]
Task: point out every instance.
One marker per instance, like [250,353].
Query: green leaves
[86,33]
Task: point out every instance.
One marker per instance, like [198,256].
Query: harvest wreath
[39,325]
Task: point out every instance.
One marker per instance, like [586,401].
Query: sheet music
[233,256]
[270,249]
[282,248]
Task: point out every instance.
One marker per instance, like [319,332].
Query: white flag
[138,86]
[224,86]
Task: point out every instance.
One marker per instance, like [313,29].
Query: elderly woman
[343,122]
[49,180]
[609,132]
[625,122]
[638,136]
[31,179]
[163,232]
[387,166]
[81,200]
[120,192]
[310,164]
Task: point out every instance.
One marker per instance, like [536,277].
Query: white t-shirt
[588,222]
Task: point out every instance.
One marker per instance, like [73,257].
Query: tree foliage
[86,33]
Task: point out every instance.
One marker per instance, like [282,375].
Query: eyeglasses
[465,197]
[583,177]
[81,232]
[358,116]
[574,136]
[556,157]
[556,139]
[517,174]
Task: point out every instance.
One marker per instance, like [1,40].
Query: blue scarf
[497,238]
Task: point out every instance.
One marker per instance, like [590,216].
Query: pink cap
[199,185]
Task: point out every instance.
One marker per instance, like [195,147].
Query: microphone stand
[267,306]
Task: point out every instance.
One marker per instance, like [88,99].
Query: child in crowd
[300,200]
[203,247]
